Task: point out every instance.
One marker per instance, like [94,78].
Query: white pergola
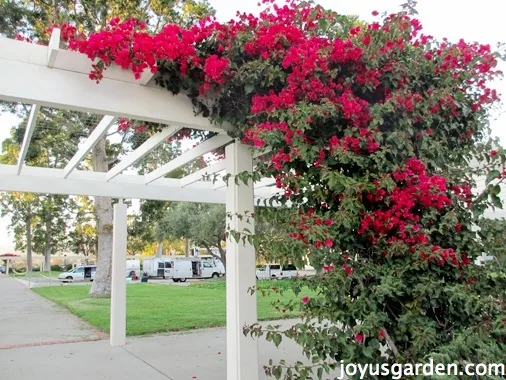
[47,76]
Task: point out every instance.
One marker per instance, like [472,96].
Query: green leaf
[492,175]
[277,339]
[249,88]
[496,201]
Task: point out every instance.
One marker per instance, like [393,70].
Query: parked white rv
[276,271]
[179,269]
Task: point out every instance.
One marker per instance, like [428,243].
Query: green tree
[22,209]
[203,224]
[39,222]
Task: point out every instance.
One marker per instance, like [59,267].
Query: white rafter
[198,175]
[68,86]
[30,127]
[53,47]
[90,183]
[187,157]
[146,76]
[141,151]
[90,142]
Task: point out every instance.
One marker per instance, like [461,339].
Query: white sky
[481,21]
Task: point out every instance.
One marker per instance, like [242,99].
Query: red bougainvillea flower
[493,153]
[381,334]
[305,299]
[328,268]
[359,338]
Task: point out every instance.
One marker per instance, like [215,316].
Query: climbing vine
[371,130]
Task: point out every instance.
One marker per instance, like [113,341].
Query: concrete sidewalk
[40,340]
[199,354]
[28,319]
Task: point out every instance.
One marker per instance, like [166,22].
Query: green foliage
[204,224]
[194,306]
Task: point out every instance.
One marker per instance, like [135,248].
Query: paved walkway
[27,319]
[37,329]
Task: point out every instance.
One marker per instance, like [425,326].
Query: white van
[276,271]
[79,273]
[215,262]
[179,269]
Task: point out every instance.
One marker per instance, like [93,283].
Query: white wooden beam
[141,151]
[201,149]
[146,77]
[242,351]
[118,276]
[53,47]
[68,86]
[90,142]
[90,183]
[265,182]
[30,127]
[198,175]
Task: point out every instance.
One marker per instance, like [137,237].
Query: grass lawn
[52,274]
[155,308]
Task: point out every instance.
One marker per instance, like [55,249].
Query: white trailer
[133,268]
[179,269]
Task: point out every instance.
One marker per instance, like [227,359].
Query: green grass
[153,308]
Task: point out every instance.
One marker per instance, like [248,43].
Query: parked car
[2,269]
[79,273]
[276,271]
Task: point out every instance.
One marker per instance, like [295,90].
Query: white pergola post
[7,266]
[242,351]
[118,283]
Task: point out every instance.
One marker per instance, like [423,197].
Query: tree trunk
[159,250]
[223,255]
[47,259]
[187,250]
[47,248]
[104,213]
[29,244]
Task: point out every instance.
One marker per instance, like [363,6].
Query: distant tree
[202,223]
[22,209]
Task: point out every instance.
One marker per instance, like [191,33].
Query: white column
[242,352]
[7,267]
[118,285]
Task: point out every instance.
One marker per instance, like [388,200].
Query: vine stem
[388,338]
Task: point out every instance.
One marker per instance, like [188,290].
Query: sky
[481,21]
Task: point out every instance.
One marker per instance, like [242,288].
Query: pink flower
[375,13]
[458,227]
[304,299]
[328,268]
[381,334]
[493,153]
[329,243]
[359,338]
